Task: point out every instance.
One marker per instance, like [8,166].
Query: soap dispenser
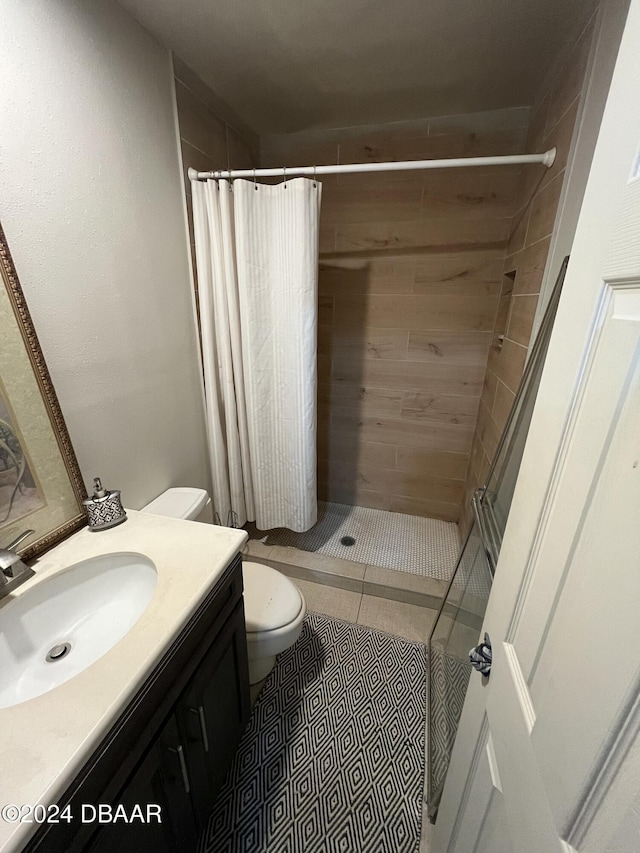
[104,509]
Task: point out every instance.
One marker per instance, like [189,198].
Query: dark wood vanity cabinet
[157,780]
[173,744]
[208,716]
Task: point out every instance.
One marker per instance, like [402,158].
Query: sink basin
[63,624]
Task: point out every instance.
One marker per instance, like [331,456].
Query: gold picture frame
[42,486]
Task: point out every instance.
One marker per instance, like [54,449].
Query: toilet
[274,608]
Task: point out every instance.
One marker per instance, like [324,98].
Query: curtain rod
[546,158]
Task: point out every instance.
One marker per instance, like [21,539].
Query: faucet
[13,572]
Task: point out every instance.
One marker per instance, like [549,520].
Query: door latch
[480,657]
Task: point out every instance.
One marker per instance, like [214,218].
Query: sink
[61,625]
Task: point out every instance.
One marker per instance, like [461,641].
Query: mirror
[40,482]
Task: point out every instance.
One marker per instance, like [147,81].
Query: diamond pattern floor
[333,757]
[448,680]
[392,540]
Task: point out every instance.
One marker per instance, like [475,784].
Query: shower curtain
[257,268]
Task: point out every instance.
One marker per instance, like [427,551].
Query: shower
[457,627]
[403,335]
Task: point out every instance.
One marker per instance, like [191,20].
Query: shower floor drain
[348,541]
[58,652]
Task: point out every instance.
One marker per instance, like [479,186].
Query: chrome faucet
[13,572]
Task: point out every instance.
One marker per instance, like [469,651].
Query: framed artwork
[41,486]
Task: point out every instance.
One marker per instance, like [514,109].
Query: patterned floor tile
[448,681]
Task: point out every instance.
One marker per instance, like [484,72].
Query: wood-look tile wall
[552,124]
[210,136]
[410,276]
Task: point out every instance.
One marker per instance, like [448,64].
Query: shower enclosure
[457,627]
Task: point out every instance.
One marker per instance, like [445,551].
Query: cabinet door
[213,712]
[161,779]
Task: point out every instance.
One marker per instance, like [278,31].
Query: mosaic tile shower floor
[391,540]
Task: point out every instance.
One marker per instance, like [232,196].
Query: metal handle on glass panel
[488,545]
[203,725]
[183,766]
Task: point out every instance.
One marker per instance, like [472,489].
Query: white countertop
[45,741]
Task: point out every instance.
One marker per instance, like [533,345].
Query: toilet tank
[187,503]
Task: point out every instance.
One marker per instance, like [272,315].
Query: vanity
[124,685]
[155,719]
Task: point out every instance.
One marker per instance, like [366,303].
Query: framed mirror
[40,482]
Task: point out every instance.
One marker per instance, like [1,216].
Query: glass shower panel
[459,621]
[492,502]
[456,630]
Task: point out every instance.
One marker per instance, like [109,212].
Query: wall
[94,216]
[410,275]
[609,21]
[553,122]
[211,135]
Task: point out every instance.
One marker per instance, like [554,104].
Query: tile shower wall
[409,289]
[552,124]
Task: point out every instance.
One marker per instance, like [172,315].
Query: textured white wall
[90,199]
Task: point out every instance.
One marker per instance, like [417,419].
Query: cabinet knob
[203,725]
[179,751]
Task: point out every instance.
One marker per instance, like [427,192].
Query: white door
[547,757]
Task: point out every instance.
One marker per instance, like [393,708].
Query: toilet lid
[270,599]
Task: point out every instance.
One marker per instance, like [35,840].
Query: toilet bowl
[274,608]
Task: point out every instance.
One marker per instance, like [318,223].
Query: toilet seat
[271,601]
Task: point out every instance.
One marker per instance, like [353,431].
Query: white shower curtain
[257,266]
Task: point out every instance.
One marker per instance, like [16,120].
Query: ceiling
[287,65]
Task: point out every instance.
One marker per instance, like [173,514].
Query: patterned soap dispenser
[104,509]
